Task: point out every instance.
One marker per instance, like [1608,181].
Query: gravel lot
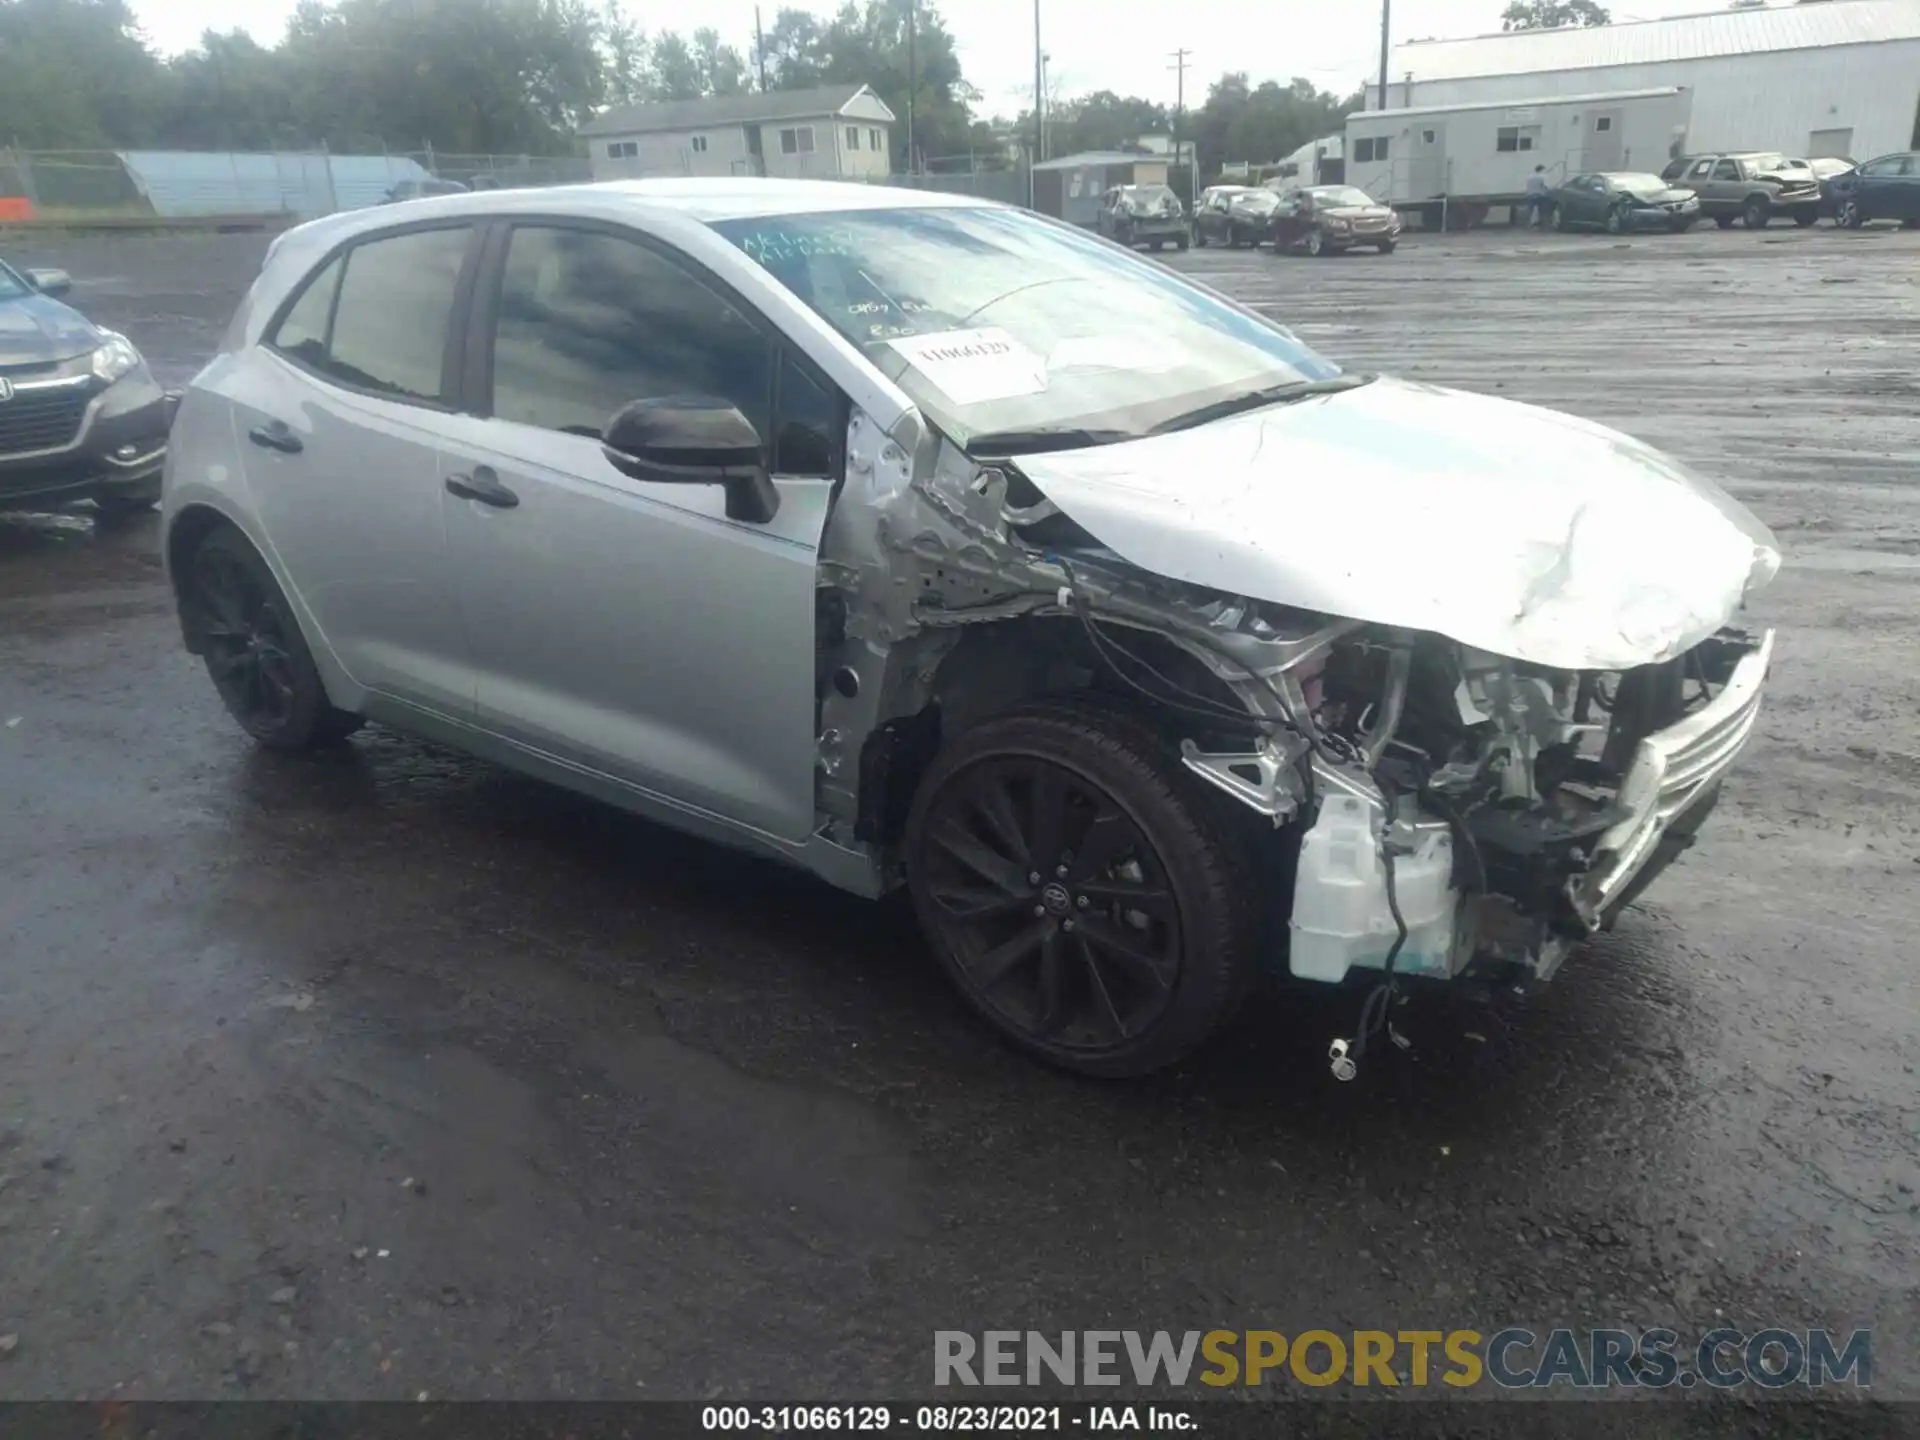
[389,1072]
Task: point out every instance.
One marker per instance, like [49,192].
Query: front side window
[1893,165]
[1702,170]
[387,332]
[1726,170]
[998,321]
[589,321]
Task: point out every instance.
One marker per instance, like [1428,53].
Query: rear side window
[377,317]
[302,332]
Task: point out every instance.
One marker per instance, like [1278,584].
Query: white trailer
[1476,156]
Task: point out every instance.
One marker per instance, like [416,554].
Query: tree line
[521,76]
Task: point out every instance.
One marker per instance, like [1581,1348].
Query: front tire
[1557,218]
[1725,222]
[1077,893]
[1199,238]
[244,629]
[1616,222]
[1849,217]
[1180,242]
[1316,244]
[1805,218]
[1387,247]
[1757,214]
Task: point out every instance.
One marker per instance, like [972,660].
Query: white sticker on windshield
[972,366]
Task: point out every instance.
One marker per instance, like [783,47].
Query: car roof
[706,199]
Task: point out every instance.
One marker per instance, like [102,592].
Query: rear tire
[1316,244]
[1180,242]
[1725,222]
[1557,219]
[245,631]
[1078,891]
[1805,218]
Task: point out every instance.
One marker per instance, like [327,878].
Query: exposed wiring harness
[1376,1009]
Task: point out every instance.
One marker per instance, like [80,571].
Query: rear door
[626,628]
[338,414]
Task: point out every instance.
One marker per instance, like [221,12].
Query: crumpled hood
[1509,528]
[35,329]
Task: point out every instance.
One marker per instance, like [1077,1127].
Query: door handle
[274,435]
[482,485]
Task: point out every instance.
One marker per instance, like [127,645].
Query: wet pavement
[387,1072]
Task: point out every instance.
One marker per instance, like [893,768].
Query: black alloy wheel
[1075,892]
[255,655]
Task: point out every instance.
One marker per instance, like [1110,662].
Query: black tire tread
[1208,870]
[316,721]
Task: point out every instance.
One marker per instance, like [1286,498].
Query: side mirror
[50,282]
[694,440]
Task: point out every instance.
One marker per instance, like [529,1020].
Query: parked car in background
[1233,215]
[1143,215]
[1326,219]
[1210,214]
[918,541]
[1617,202]
[1883,189]
[421,189]
[1754,188]
[1828,171]
[81,417]
[1250,216]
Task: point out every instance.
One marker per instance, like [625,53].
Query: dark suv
[1752,187]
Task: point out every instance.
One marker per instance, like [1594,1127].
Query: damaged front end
[1515,809]
[1420,807]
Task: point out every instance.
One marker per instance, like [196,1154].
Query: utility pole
[1039,84]
[1180,111]
[913,79]
[760,48]
[1386,42]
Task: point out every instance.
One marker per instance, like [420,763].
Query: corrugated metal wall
[1773,101]
[304,183]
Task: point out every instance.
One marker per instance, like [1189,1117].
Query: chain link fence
[135,186]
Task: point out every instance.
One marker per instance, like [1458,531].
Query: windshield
[1637,184]
[1149,196]
[1258,201]
[1827,169]
[1338,197]
[998,321]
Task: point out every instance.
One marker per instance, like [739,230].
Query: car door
[1286,220]
[1899,190]
[1728,187]
[630,629]
[1700,180]
[339,414]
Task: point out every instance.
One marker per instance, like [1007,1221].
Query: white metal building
[838,132]
[1486,151]
[1835,78]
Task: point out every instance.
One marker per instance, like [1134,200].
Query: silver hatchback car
[915,540]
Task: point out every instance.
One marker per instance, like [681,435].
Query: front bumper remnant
[1673,773]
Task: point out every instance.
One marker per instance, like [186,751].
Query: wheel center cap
[1056,899]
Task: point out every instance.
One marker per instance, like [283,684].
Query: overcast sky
[1094,44]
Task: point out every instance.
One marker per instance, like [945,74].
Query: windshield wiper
[1037,441]
[1256,399]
